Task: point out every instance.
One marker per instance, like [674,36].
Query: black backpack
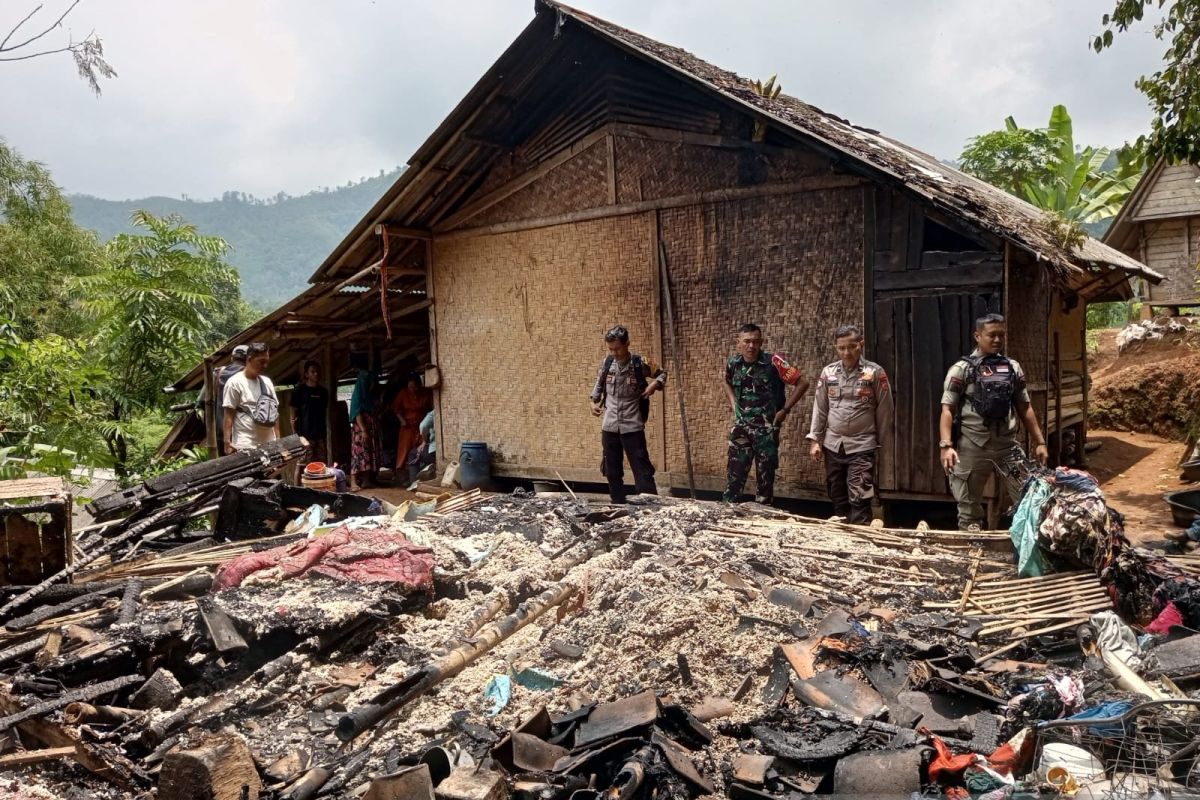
[995,385]
[639,369]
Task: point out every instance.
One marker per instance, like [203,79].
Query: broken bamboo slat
[1028,635]
[423,678]
[26,757]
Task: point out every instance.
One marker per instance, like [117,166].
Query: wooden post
[1080,444]
[677,365]
[657,332]
[1058,398]
[438,437]
[210,405]
[331,386]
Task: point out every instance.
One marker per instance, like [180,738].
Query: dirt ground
[1135,471]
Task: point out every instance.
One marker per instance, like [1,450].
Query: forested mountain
[277,242]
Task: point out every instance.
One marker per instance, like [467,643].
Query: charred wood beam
[129,602]
[77,695]
[221,630]
[21,650]
[44,613]
[78,713]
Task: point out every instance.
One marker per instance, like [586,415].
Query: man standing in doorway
[310,401]
[251,405]
[621,396]
[986,392]
[760,406]
[851,424]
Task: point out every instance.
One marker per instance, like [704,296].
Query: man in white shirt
[250,403]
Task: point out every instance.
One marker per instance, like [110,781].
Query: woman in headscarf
[364,447]
[411,405]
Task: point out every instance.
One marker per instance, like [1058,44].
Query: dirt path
[1135,471]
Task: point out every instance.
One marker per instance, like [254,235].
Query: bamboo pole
[676,361]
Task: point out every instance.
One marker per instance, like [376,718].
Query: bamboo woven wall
[521,318]
[579,183]
[792,264]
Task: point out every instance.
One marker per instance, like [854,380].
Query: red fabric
[946,763]
[367,555]
[1167,619]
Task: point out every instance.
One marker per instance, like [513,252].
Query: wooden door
[926,286]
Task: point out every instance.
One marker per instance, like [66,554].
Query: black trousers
[850,478]
[617,446]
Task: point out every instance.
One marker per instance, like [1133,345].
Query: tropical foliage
[1174,90]
[1045,167]
[90,333]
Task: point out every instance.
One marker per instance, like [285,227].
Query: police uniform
[984,446]
[757,388]
[623,428]
[851,419]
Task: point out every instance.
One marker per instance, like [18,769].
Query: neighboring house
[592,168]
[1160,226]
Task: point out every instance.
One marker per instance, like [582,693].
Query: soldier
[851,423]
[622,396]
[757,394]
[986,393]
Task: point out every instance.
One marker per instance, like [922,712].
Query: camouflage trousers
[759,444]
[850,479]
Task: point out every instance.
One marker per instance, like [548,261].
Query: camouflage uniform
[983,447]
[757,388]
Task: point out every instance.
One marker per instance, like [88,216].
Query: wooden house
[593,171]
[1159,225]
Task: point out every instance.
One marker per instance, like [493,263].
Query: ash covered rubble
[535,647]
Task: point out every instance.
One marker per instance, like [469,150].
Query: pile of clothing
[1063,515]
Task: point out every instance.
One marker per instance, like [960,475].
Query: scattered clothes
[1075,479]
[1193,533]
[1168,618]
[1184,592]
[364,555]
[1115,637]
[945,765]
[1024,530]
[1105,711]
[1070,690]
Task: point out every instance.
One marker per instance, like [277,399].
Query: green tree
[153,303]
[41,250]
[1045,167]
[1174,90]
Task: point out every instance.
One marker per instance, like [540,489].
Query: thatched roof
[944,187]
[546,67]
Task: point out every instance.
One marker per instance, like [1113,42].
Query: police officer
[757,394]
[622,396]
[986,391]
[851,422]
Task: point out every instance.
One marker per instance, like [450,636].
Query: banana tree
[1043,166]
[1078,186]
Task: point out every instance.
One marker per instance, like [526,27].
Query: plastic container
[1063,764]
[474,465]
[1185,506]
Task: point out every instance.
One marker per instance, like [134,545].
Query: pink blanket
[365,555]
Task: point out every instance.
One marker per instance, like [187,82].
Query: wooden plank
[30,487]
[88,756]
[24,758]
[969,275]
[916,236]
[868,200]
[903,386]
[927,365]
[936,259]
[812,184]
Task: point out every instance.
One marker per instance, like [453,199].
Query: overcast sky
[267,95]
